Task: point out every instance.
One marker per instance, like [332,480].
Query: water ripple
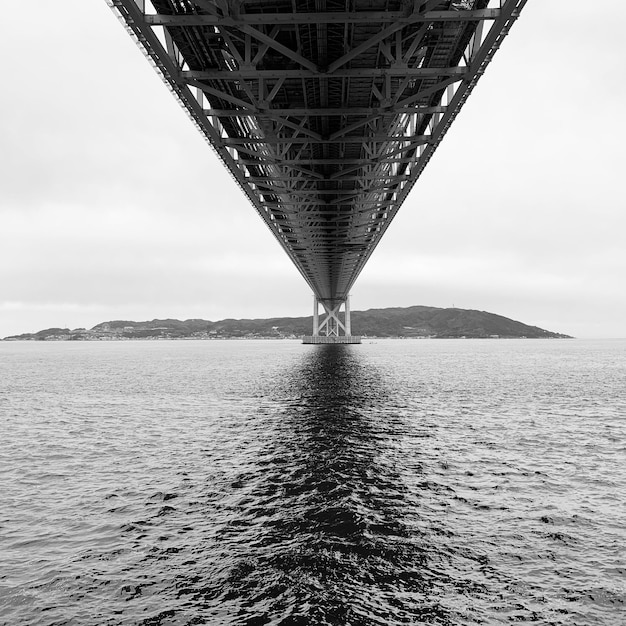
[394,483]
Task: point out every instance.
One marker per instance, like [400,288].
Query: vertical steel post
[347,308]
[316,317]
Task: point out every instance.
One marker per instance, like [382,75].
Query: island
[417,322]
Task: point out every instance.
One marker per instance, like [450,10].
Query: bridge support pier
[331,329]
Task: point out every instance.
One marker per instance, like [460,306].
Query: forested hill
[415,321]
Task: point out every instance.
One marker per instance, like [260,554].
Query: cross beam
[331,324]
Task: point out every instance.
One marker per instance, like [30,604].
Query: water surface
[266,482]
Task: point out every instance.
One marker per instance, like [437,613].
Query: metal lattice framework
[324,111]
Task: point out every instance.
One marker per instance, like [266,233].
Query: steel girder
[325,112]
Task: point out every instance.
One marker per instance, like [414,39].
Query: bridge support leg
[331,329]
[316,317]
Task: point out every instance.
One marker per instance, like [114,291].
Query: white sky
[112,206]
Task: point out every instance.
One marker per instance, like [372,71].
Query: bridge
[325,112]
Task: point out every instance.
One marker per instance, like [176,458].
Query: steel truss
[325,112]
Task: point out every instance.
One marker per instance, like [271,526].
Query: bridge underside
[325,112]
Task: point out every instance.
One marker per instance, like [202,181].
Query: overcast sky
[112,206]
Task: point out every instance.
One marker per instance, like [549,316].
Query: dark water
[398,482]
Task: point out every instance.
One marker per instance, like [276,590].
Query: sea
[447,482]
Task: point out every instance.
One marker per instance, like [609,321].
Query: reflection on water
[321,524]
[447,483]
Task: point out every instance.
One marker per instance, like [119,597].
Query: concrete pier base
[316,339]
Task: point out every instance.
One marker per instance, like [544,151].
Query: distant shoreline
[416,322]
[364,337]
